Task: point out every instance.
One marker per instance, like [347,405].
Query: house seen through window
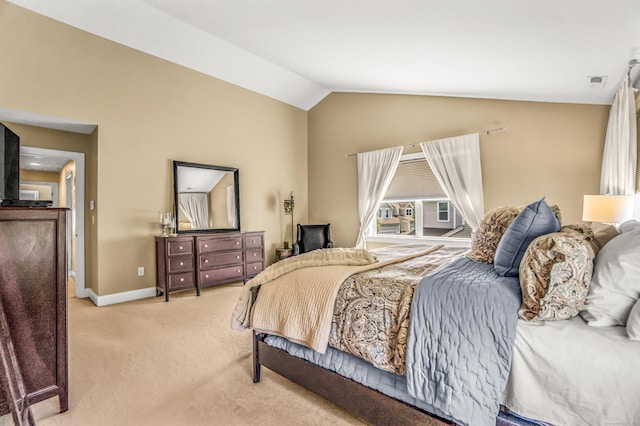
[415,205]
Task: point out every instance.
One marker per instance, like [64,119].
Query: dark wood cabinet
[33,292]
[194,261]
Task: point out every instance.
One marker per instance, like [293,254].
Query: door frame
[81,291]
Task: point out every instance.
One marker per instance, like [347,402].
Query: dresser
[33,290]
[194,261]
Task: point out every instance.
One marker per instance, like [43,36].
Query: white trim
[80,231]
[126,296]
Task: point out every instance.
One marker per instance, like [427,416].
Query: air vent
[597,81]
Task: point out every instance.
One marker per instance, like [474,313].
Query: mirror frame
[236,184]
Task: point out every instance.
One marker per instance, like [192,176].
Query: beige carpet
[154,363]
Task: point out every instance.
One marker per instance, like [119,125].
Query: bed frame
[359,400]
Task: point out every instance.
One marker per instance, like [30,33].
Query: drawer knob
[255,267]
[237,243]
[181,263]
[206,245]
[253,241]
[180,247]
[255,254]
[237,257]
[206,276]
[181,280]
[238,270]
[206,261]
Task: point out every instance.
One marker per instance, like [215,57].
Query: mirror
[206,198]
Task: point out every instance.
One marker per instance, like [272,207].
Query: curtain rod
[488,132]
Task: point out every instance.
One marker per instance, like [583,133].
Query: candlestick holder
[167,224]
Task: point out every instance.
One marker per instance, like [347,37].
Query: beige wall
[218,202]
[37,175]
[150,112]
[551,150]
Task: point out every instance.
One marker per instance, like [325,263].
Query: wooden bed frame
[359,400]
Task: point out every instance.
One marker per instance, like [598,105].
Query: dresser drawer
[180,247]
[207,245]
[180,281]
[211,260]
[253,241]
[221,274]
[180,264]
[254,268]
[254,255]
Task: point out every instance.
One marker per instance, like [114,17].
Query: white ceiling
[300,51]
[43,163]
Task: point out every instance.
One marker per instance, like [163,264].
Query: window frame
[373,237]
[447,211]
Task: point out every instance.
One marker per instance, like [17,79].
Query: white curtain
[620,157]
[375,171]
[456,164]
[231,206]
[195,206]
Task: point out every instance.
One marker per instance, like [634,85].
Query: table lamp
[613,209]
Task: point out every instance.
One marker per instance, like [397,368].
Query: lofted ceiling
[300,51]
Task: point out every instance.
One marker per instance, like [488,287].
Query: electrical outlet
[140,271]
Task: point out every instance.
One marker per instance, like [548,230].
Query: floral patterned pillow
[485,239]
[555,274]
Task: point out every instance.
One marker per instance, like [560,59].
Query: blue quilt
[462,332]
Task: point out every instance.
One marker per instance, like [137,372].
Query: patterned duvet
[371,312]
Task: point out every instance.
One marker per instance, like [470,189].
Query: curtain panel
[375,171]
[195,206]
[620,156]
[456,164]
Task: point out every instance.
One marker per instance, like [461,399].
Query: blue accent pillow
[535,220]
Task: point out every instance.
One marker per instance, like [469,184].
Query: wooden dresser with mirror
[209,248]
[194,261]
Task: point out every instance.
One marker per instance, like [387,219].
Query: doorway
[76,215]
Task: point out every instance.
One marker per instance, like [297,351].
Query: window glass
[415,205]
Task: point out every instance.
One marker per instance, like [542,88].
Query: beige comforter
[298,301]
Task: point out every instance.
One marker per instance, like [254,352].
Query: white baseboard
[127,296]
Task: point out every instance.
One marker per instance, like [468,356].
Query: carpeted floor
[149,362]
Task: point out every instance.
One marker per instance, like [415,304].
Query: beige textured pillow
[485,239]
[555,274]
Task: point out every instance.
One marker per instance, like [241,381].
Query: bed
[559,371]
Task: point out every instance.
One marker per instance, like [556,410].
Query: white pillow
[615,286]
[633,323]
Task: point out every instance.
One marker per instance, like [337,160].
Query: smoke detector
[597,81]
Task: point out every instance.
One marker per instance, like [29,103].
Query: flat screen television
[10,163]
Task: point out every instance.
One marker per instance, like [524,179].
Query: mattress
[568,373]
[562,372]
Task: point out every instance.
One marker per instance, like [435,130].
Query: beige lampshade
[607,208]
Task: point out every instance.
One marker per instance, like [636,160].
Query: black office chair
[312,237]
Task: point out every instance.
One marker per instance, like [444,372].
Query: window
[443,211]
[384,212]
[415,205]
